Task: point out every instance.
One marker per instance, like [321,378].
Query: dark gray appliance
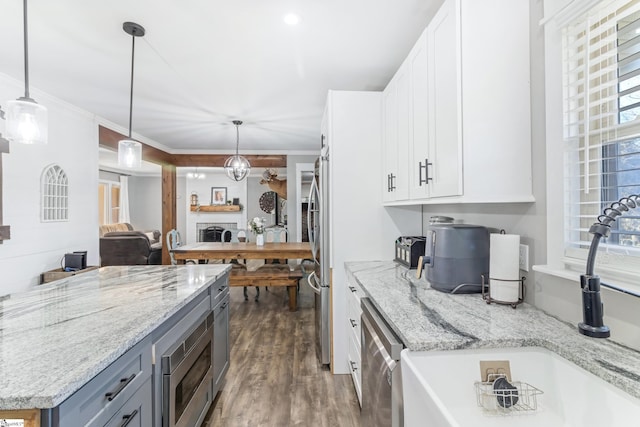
[456,256]
[381,375]
[187,372]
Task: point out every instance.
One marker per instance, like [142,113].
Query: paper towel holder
[486,295]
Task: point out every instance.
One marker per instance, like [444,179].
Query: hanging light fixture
[130,151]
[26,119]
[196,175]
[237,167]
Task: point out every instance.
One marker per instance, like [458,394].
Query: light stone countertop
[56,337]
[426,319]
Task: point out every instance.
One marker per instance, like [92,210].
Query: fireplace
[202,226]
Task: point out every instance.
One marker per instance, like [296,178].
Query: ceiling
[204,63]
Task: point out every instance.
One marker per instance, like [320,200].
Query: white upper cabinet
[444,169]
[396,128]
[419,138]
[468,116]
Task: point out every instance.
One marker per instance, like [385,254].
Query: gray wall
[145,202]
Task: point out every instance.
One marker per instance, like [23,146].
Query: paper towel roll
[504,265]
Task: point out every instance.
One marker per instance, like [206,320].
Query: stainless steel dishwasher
[381,376]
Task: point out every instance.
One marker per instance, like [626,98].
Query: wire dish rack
[523,398]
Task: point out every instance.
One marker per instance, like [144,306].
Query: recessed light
[291,19]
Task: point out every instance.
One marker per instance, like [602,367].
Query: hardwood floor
[274,378]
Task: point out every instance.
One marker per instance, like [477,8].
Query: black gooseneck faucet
[592,308]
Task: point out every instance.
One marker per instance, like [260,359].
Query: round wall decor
[268,201]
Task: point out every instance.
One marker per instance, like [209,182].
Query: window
[55,194]
[601,73]
[108,202]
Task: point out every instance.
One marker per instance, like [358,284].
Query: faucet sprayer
[592,308]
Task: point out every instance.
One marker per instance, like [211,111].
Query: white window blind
[602,126]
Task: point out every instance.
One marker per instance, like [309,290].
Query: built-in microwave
[187,371]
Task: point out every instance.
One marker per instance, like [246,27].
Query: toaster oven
[409,249]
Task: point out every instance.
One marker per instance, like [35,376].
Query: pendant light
[130,151]
[237,167]
[26,119]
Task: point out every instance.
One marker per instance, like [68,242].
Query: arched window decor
[55,194]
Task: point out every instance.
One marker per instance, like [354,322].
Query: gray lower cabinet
[137,412]
[221,347]
[132,390]
[96,403]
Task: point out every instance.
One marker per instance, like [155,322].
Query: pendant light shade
[26,119]
[237,167]
[130,151]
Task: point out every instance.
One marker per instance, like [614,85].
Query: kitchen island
[426,319]
[58,338]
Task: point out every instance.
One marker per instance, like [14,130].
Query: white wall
[35,246]
[214,178]
[145,202]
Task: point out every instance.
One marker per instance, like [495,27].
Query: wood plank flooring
[274,378]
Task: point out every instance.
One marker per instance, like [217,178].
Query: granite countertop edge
[451,319]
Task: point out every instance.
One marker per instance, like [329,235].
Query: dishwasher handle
[387,337]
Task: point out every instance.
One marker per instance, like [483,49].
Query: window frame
[614,268]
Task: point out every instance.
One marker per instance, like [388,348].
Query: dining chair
[173,241]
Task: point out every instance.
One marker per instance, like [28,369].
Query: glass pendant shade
[130,154]
[27,122]
[130,151]
[237,167]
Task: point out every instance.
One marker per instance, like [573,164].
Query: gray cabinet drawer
[219,290]
[96,402]
[136,412]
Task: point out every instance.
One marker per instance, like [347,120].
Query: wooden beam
[217,160]
[168,207]
[110,138]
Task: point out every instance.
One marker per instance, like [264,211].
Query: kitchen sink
[438,390]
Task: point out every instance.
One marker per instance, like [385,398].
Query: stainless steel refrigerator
[318,227]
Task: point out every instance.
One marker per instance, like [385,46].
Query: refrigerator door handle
[313,208]
[309,279]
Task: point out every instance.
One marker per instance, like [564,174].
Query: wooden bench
[269,276]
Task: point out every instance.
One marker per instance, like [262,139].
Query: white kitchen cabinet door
[397,133]
[389,141]
[445,102]
[419,137]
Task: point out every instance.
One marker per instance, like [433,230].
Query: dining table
[265,275]
[242,250]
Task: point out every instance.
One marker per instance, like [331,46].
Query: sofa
[125,246]
[153,235]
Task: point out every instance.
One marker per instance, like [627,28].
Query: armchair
[129,248]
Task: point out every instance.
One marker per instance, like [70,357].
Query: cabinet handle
[221,289]
[352,288]
[388,183]
[123,383]
[126,419]
[353,365]
[393,187]
[426,171]
[223,306]
[353,323]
